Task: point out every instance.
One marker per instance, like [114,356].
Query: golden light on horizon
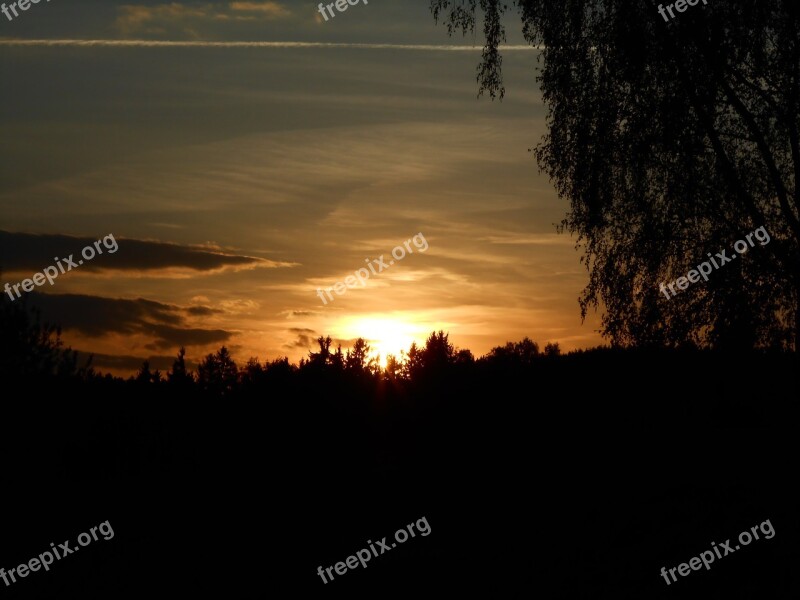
[384,335]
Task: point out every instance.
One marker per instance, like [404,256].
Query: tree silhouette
[218,374]
[325,359]
[413,364]
[279,368]
[394,368]
[31,348]
[252,373]
[464,358]
[521,353]
[358,360]
[179,376]
[435,358]
[144,375]
[438,352]
[671,140]
[552,349]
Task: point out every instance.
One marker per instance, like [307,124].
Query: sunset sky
[238,179]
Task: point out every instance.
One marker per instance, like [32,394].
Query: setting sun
[385,336]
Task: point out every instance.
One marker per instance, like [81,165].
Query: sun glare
[385,336]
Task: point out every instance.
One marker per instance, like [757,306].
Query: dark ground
[577,477]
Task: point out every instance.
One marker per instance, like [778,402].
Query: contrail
[199,44]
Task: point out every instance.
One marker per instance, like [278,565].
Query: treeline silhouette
[649,386]
[219,376]
[33,349]
[315,458]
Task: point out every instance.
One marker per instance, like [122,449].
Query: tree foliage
[179,375]
[358,359]
[524,352]
[31,348]
[670,141]
[218,374]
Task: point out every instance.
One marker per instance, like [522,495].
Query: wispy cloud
[180,18]
[134,19]
[540,239]
[304,338]
[271,10]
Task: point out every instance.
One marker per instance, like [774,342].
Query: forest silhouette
[317,456]
[33,349]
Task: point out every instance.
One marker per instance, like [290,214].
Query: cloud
[95,316]
[168,336]
[179,17]
[202,311]
[133,19]
[272,10]
[541,239]
[240,306]
[305,338]
[27,253]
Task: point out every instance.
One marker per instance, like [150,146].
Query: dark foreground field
[577,476]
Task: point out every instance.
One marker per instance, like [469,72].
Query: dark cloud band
[31,252]
[95,316]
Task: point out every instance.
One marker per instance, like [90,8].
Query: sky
[244,155]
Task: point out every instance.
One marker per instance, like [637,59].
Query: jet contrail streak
[200,44]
